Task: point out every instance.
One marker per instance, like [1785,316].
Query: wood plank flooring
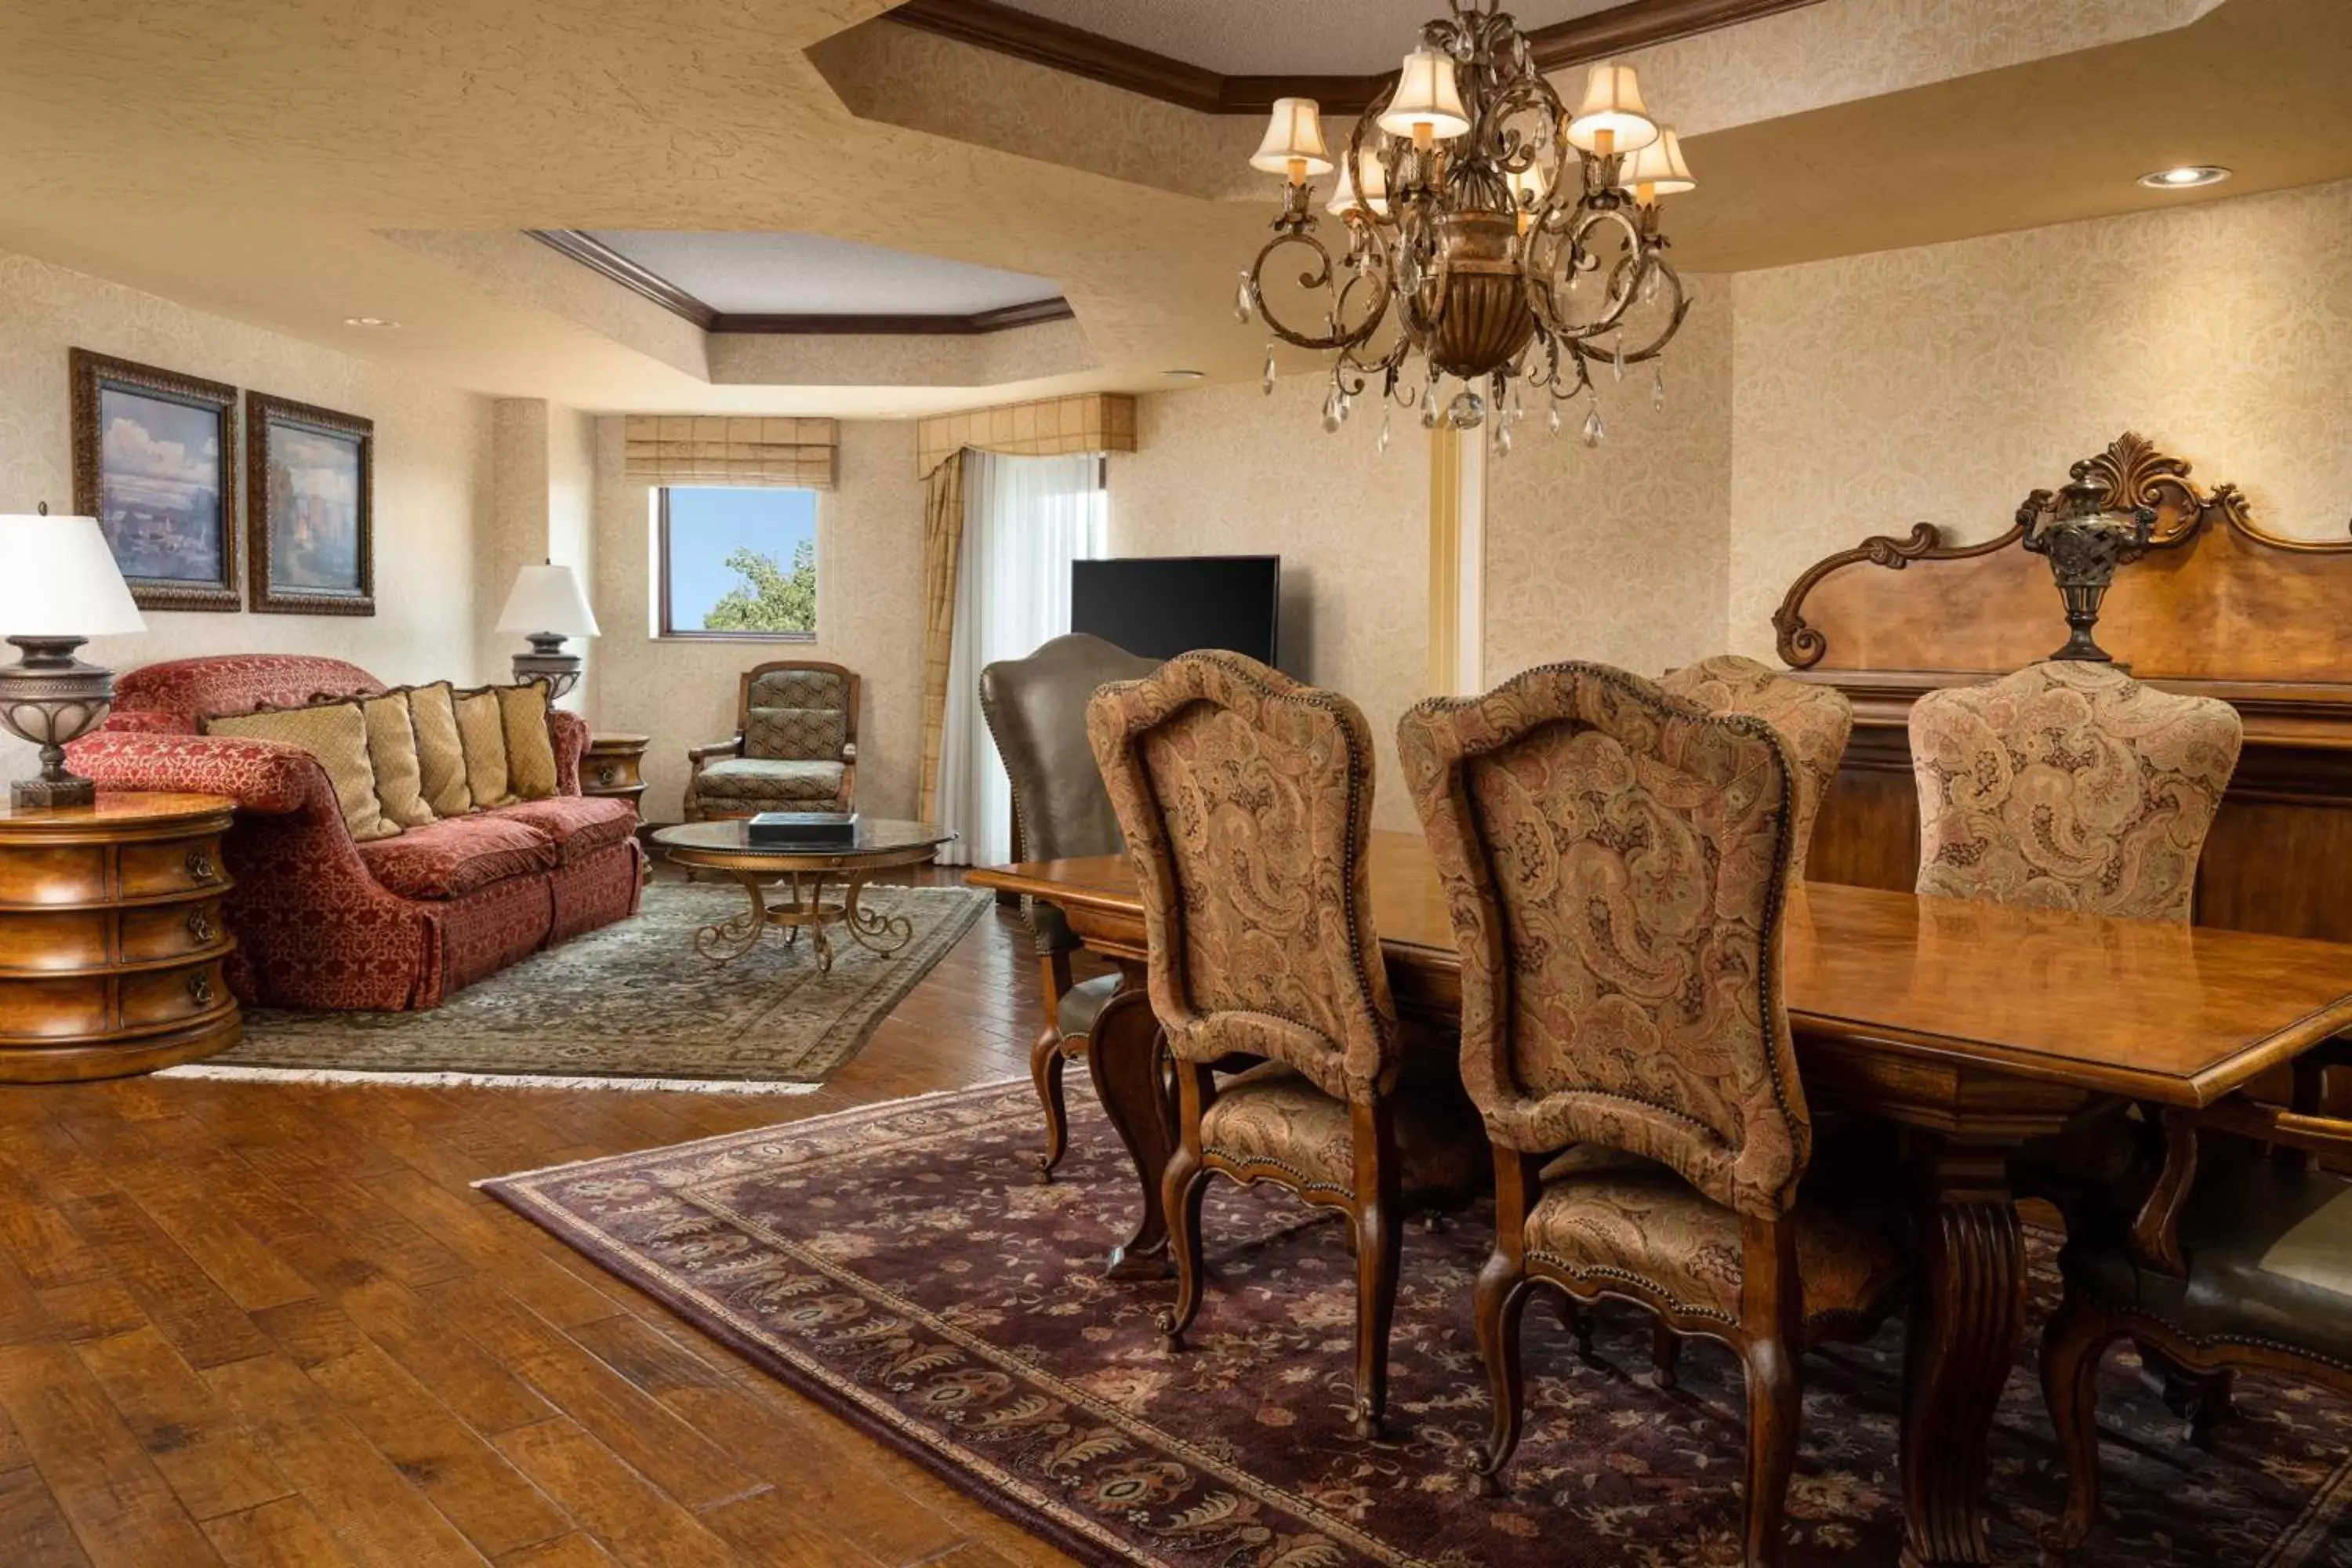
[273,1324]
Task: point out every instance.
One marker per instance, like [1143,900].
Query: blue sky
[706,526]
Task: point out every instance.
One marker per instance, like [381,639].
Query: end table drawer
[175,866]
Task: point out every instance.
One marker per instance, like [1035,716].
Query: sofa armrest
[698,755]
[569,732]
[265,776]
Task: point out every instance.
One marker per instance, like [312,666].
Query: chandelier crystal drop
[1488,232]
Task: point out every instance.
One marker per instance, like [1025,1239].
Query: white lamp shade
[1426,95]
[1294,133]
[1373,194]
[1613,103]
[547,599]
[1659,167]
[57,578]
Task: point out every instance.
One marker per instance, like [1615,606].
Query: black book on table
[798,829]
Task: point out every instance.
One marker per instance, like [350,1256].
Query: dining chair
[2232,1256]
[1815,719]
[1246,799]
[2069,786]
[1035,710]
[1617,862]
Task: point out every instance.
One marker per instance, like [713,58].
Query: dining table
[1970,1028]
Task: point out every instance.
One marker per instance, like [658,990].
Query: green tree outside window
[768,598]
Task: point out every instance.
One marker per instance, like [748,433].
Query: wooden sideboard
[2219,607]
[111,940]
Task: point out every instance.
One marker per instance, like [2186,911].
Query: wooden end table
[111,939]
[882,845]
[615,766]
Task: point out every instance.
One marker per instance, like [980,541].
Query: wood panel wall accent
[598,256]
[2222,609]
[1634,25]
[2215,588]
[1048,427]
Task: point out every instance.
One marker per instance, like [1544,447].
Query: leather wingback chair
[1653,1039]
[2069,786]
[795,747]
[1816,721]
[1246,800]
[1037,712]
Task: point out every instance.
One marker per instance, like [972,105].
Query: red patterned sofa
[322,922]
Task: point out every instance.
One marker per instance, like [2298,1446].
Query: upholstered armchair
[1037,712]
[795,747]
[2069,786]
[1617,863]
[1815,719]
[1246,800]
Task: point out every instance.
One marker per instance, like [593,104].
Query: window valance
[731,449]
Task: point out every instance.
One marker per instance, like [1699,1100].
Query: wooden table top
[114,808]
[2181,1014]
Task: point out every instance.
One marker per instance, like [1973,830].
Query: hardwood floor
[272,1323]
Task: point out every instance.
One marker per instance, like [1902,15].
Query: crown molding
[988,25]
[598,256]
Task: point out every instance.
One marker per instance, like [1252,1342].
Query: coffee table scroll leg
[732,939]
[1966,1313]
[1126,1059]
[885,934]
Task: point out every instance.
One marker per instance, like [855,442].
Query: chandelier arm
[1315,276]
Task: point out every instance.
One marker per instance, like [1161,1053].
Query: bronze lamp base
[49,697]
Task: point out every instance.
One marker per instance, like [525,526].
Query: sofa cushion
[439,754]
[336,734]
[530,749]
[454,857]
[482,730]
[759,779]
[580,824]
[392,751]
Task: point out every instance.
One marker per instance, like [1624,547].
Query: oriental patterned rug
[631,1006]
[898,1264]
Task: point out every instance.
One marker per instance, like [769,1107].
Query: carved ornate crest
[2132,474]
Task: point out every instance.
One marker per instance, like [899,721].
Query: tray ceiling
[1279,37]
[812,274]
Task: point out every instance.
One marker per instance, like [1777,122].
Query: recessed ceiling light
[368,322]
[2185,177]
[1184,374]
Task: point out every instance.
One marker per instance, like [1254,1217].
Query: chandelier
[1491,235]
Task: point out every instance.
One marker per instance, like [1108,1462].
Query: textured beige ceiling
[292,162]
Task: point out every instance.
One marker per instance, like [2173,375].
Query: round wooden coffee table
[802,875]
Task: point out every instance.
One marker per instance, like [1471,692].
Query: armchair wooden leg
[2077,1335]
[1379,1237]
[1045,1064]
[1665,1353]
[1496,1307]
[1771,1312]
[1182,1189]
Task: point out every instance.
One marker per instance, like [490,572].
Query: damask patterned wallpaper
[1941,384]
[432,478]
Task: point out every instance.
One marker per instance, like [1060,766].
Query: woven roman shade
[731,449]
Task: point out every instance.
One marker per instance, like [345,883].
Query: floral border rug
[899,1264]
[632,1005]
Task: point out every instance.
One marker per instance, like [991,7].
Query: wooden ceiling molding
[595,254]
[985,24]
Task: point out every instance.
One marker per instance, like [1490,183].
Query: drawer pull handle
[199,927]
[606,772]
[200,988]
[200,866]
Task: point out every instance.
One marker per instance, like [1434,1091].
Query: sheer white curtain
[1024,521]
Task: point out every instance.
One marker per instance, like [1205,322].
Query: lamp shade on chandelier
[1491,235]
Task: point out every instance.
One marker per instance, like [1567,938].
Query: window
[735,562]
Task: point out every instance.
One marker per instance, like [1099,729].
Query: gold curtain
[942,551]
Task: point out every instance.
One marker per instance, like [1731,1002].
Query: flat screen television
[1159,607]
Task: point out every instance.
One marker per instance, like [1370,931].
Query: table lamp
[547,606]
[57,571]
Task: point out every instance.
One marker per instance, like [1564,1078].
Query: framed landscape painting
[153,460]
[310,476]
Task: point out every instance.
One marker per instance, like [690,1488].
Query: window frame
[664,630]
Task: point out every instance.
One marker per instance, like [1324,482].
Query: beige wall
[1225,470]
[543,490]
[432,480]
[1618,552]
[1942,383]
[869,598]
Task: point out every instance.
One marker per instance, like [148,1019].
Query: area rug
[631,1006]
[899,1264]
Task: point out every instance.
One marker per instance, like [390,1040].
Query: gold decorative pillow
[337,735]
[392,753]
[481,730]
[440,755]
[530,749]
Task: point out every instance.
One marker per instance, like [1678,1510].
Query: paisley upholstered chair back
[1037,712]
[2069,786]
[1815,721]
[798,712]
[1616,862]
[1246,799]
